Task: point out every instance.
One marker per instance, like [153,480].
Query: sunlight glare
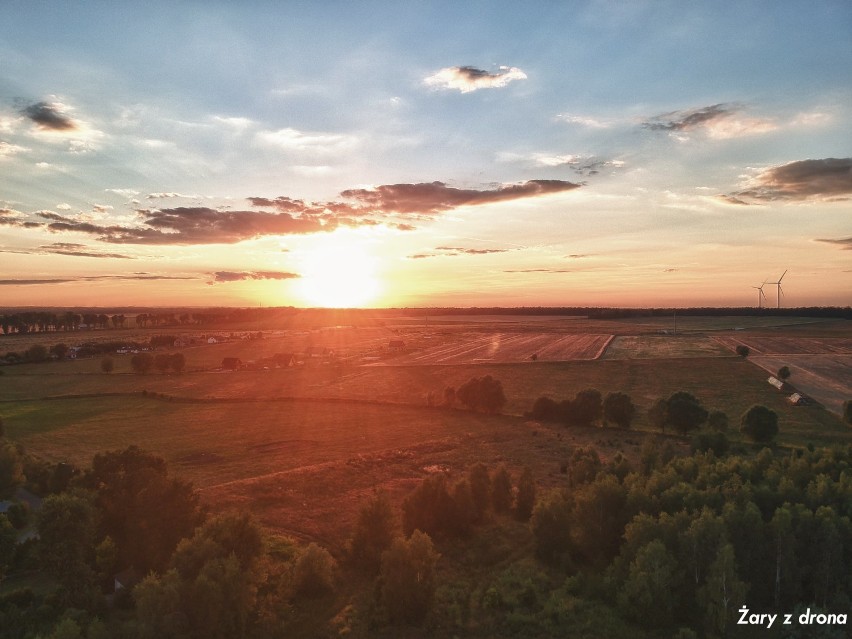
[338,272]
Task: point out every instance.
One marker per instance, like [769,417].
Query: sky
[425,153]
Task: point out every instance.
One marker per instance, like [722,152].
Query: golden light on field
[338,271]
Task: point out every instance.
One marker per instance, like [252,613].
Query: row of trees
[45,321]
[587,408]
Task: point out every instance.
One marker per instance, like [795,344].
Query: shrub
[313,573]
[760,423]
[585,408]
[501,490]
[107,364]
[142,362]
[684,412]
[483,394]
[583,465]
[526,495]
[618,408]
[743,350]
[545,409]
[784,373]
[716,441]
[718,421]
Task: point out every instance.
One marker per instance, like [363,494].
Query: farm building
[396,345]
[232,363]
[284,359]
[777,383]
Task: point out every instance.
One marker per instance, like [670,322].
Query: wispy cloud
[467,79]
[454,251]
[7,149]
[239,276]
[829,179]
[720,121]
[315,142]
[845,242]
[539,270]
[90,278]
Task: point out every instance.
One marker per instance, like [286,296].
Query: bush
[760,423]
[718,421]
[177,362]
[618,408]
[526,495]
[684,412]
[583,465]
[585,408]
[429,508]
[715,441]
[501,490]
[482,394]
[743,350]
[545,409]
[551,525]
[313,573]
[107,364]
[142,363]
[784,373]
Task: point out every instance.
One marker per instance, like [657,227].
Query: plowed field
[496,348]
[760,345]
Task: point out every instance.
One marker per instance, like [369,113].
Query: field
[302,446]
[501,347]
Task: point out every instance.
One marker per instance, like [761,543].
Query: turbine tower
[778,284]
[761,296]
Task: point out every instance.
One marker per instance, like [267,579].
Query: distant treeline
[41,321]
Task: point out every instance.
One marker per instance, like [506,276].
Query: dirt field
[771,345]
[497,347]
[826,378]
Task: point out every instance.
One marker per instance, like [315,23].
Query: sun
[338,271]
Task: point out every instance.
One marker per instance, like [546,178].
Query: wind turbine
[760,294]
[778,283]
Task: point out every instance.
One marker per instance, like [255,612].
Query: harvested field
[763,345]
[826,378]
[497,348]
[652,347]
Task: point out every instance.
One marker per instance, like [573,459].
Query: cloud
[589,122]
[435,197]
[293,140]
[128,193]
[539,270]
[49,116]
[470,251]
[467,79]
[579,256]
[359,207]
[845,243]
[826,180]
[454,251]
[7,149]
[91,278]
[720,121]
[238,276]
[581,164]
[79,250]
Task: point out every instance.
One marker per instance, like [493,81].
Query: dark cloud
[14,221]
[238,276]
[687,120]
[828,180]
[730,199]
[429,198]
[845,242]
[579,256]
[49,117]
[360,207]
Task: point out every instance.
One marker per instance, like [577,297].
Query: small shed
[777,383]
[232,363]
[396,345]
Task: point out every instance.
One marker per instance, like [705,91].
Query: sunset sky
[425,153]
